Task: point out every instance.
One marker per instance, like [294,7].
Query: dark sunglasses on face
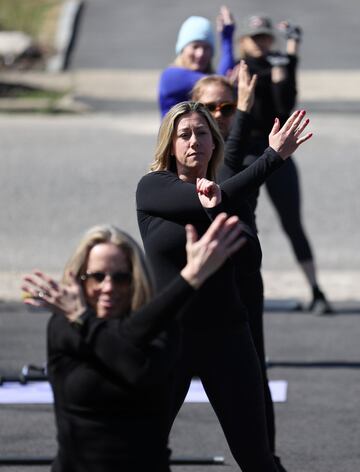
[225,108]
[118,278]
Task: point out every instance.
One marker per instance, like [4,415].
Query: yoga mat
[40,392]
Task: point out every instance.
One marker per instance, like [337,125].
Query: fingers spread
[275,127]
[301,127]
[191,234]
[297,121]
[253,81]
[236,245]
[215,226]
[289,122]
[304,138]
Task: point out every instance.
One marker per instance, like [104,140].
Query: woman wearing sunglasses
[231,112]
[112,346]
[195,47]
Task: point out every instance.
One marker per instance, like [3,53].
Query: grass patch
[39,93]
[28,92]
[32,100]
[37,18]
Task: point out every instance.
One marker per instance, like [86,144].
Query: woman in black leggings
[231,113]
[217,344]
[275,96]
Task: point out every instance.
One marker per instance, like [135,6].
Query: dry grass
[37,18]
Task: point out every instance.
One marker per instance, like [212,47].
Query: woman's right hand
[42,291]
[207,254]
[209,193]
[287,139]
[246,88]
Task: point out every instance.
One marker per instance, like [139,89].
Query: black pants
[283,188]
[228,366]
[252,294]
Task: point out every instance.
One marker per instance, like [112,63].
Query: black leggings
[283,188]
[227,364]
[252,294]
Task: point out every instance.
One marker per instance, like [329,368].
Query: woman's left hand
[207,254]
[246,88]
[224,18]
[41,290]
[209,193]
[287,139]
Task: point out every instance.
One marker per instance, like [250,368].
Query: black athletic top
[272,99]
[236,145]
[110,380]
[165,204]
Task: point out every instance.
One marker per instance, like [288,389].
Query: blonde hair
[163,160]
[210,80]
[142,285]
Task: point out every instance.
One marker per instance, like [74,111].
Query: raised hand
[208,192]
[207,254]
[287,139]
[41,290]
[290,30]
[224,18]
[246,87]
[293,35]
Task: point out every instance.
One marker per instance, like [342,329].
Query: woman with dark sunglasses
[112,346]
[215,92]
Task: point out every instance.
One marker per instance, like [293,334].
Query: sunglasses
[225,108]
[118,278]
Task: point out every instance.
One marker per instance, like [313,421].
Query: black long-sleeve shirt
[272,99]
[165,204]
[110,381]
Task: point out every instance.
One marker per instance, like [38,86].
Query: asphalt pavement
[317,427]
[54,185]
[142,34]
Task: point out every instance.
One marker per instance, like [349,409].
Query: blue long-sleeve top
[176,83]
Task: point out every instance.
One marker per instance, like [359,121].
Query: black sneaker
[319,304]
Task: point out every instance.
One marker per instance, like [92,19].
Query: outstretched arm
[283,142]
[121,345]
[225,26]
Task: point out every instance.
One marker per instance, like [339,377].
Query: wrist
[244,107]
[228,31]
[191,276]
[80,322]
[279,151]
[78,316]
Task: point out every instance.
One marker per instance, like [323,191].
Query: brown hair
[209,80]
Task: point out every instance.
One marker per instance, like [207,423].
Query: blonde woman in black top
[112,348]
[217,343]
